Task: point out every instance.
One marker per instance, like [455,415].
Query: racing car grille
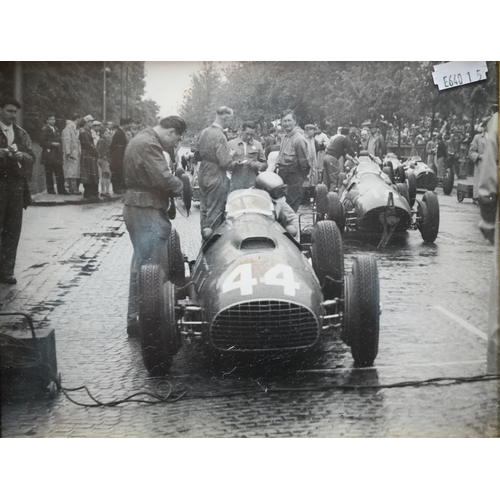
[264,325]
[371,221]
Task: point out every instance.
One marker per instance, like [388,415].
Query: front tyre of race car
[429,217]
[321,196]
[157,324]
[362,310]
[327,257]
[411,183]
[449,179]
[336,210]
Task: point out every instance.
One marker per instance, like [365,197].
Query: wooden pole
[18,90]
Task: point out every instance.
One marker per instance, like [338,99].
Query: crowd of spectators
[86,157]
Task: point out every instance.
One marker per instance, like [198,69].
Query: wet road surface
[434,322]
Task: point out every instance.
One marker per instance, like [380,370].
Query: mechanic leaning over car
[216,160]
[339,146]
[292,163]
[150,184]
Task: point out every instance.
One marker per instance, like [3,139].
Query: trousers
[294,180]
[149,232]
[213,198]
[54,170]
[11,221]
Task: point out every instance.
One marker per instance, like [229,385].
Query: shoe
[9,279]
[64,192]
[51,192]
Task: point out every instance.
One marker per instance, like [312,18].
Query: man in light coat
[293,159]
[71,154]
[476,151]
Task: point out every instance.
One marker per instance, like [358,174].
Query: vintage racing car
[370,202]
[424,175]
[255,289]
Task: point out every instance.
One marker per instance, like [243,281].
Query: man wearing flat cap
[150,184]
[117,150]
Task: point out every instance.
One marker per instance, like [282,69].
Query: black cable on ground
[158,398]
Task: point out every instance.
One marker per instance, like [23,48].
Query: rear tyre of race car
[327,257]
[363,311]
[411,183]
[449,179]
[429,217]
[336,210]
[176,271]
[403,191]
[321,196]
[157,325]
[187,194]
[389,170]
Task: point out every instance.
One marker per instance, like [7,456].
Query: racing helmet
[272,183]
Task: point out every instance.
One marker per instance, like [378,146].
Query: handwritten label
[456,73]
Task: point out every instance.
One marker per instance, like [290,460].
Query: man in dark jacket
[216,161]
[150,185]
[340,146]
[52,159]
[117,151]
[16,162]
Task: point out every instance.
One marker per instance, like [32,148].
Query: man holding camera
[16,162]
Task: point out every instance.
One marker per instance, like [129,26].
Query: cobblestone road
[73,275]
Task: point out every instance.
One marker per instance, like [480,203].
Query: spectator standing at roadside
[441,155]
[150,185]
[103,162]
[250,158]
[376,145]
[52,158]
[89,170]
[117,151]
[312,179]
[355,140]
[71,154]
[292,162]
[430,152]
[365,135]
[16,162]
[321,140]
[216,161]
[476,152]
[339,148]
[453,150]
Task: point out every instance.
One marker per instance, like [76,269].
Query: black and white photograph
[286,249]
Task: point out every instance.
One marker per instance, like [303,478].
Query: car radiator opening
[264,325]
